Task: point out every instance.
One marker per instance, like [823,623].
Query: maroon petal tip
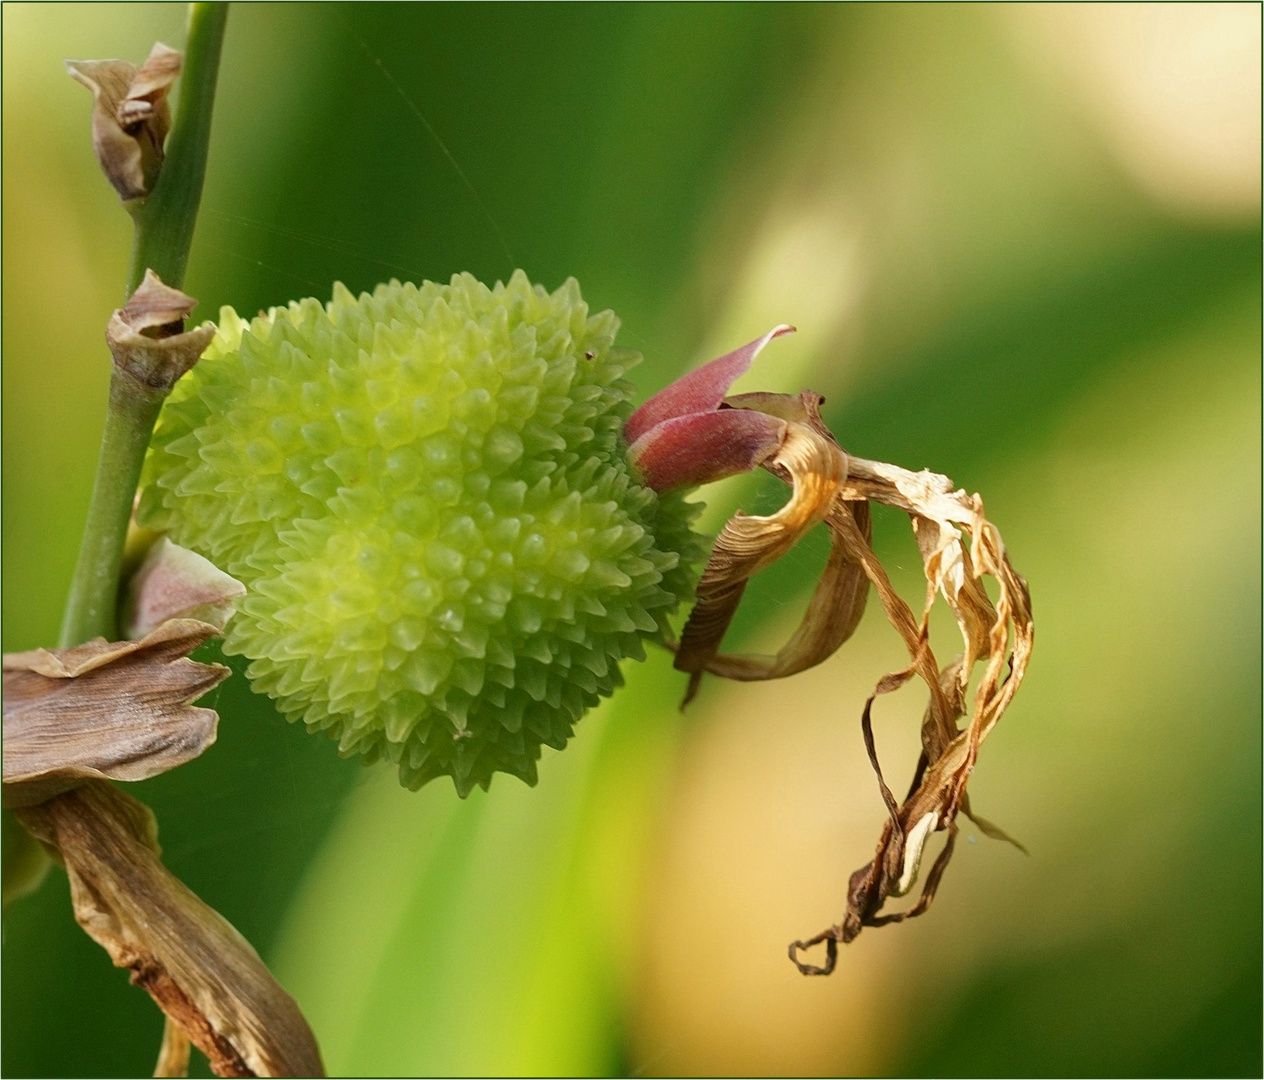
[701,390]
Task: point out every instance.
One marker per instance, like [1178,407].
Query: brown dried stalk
[691,433]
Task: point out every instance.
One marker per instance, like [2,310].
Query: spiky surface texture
[427,496]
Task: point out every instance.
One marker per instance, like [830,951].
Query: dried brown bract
[130,116]
[147,335]
[105,710]
[210,983]
[147,338]
[691,433]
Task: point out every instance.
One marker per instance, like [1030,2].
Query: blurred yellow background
[1022,247]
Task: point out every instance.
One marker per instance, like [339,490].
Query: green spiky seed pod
[427,495]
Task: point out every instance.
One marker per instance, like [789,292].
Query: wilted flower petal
[173,1053]
[838,602]
[130,116]
[816,468]
[690,434]
[999,635]
[833,613]
[682,436]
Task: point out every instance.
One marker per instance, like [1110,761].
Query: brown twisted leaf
[199,970]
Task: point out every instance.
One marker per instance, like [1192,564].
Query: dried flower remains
[691,433]
[130,116]
[210,983]
[105,710]
[147,338]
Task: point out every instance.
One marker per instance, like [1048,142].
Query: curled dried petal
[683,436]
[1000,636]
[173,1053]
[816,468]
[838,601]
[833,613]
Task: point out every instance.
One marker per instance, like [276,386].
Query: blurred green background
[1022,246]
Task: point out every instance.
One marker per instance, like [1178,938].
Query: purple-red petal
[685,451]
[701,390]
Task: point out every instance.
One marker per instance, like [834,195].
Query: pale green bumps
[426,494]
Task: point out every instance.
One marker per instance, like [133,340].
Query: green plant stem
[165,221]
[91,607]
[164,234]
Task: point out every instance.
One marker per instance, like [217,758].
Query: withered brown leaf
[199,970]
